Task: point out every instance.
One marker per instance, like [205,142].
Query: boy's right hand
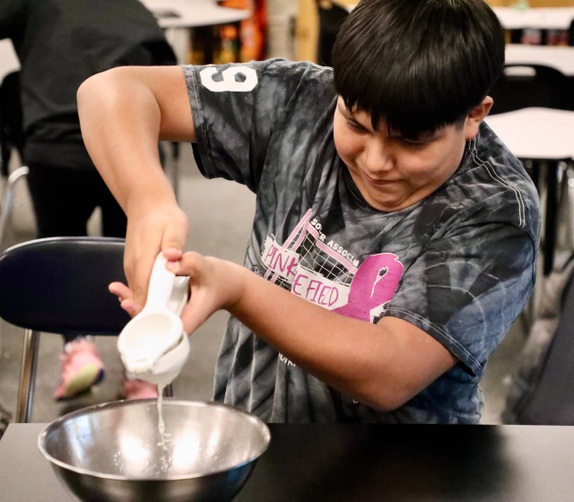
[152,228]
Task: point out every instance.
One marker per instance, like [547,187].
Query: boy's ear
[476,116]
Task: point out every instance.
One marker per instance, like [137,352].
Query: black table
[319,463]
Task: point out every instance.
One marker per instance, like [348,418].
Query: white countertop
[547,18]
[512,18]
[536,133]
[193,13]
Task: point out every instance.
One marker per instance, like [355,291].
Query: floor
[210,205]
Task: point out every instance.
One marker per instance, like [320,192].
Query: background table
[543,18]
[536,133]
[178,17]
[362,463]
[511,18]
[193,13]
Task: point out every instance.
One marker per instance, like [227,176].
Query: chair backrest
[60,285]
[525,85]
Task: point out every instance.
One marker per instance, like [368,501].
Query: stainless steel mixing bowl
[117,451]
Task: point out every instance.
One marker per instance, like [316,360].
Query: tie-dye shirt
[459,264]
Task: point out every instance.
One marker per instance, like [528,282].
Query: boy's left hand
[214,284]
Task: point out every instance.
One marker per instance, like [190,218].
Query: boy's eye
[355,126]
[412,143]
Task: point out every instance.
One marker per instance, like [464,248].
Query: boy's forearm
[368,362]
[124,113]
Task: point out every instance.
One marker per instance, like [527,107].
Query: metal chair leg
[27,375]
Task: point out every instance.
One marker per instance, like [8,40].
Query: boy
[395,237]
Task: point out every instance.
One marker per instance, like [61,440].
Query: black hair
[417,65]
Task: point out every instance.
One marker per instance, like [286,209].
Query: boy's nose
[378,157]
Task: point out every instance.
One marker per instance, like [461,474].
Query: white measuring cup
[153,345]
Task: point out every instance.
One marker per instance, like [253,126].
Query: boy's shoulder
[499,163]
[491,183]
[287,70]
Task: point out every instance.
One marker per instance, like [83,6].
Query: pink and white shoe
[80,368]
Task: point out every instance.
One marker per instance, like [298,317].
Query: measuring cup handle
[160,284]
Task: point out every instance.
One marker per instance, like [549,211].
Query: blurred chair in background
[527,85]
[59,285]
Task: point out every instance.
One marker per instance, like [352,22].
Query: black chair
[526,85]
[59,285]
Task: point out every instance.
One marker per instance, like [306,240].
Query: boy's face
[393,172]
